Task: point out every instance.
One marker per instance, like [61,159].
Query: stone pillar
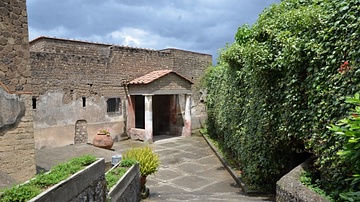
[187,121]
[17,152]
[148,118]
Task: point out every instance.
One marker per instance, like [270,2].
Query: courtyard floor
[189,171]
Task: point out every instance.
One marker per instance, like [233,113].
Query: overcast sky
[196,25]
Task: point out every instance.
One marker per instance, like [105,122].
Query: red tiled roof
[152,76]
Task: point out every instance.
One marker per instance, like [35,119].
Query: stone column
[187,121]
[148,118]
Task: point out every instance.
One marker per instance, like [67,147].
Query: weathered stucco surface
[12,108]
[55,120]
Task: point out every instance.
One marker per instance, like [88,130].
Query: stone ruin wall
[105,65]
[17,155]
[43,44]
[85,69]
[125,63]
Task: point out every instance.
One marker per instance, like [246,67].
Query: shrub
[276,88]
[148,160]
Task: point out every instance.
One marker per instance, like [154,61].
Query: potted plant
[149,163]
[103,139]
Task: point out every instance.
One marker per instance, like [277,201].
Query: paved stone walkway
[189,170]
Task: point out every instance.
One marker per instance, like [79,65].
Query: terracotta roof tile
[152,76]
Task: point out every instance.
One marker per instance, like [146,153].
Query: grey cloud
[201,25]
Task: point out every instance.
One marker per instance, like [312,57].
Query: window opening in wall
[114,106]
[84,101]
[34,102]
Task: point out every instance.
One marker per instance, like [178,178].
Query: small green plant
[148,160]
[42,181]
[104,131]
[128,162]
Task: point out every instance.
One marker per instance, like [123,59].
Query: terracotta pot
[103,141]
[142,181]
[144,191]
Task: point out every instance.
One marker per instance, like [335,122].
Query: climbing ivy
[276,89]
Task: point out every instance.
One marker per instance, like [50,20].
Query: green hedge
[277,88]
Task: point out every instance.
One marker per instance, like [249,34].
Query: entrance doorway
[139,111]
[161,114]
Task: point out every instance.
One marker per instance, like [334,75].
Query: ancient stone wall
[76,75]
[17,155]
[134,62]
[190,64]
[77,71]
[43,44]
[125,63]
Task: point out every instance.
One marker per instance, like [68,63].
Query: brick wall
[17,154]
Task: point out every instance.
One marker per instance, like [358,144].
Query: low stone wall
[137,134]
[88,184]
[289,187]
[128,187]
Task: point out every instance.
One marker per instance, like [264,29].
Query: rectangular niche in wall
[81,135]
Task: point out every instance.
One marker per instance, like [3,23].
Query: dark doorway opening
[139,111]
[161,114]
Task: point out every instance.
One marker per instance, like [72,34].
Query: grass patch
[41,182]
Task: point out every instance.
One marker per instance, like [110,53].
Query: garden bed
[77,179]
[128,186]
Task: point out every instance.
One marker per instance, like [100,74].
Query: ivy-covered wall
[277,88]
